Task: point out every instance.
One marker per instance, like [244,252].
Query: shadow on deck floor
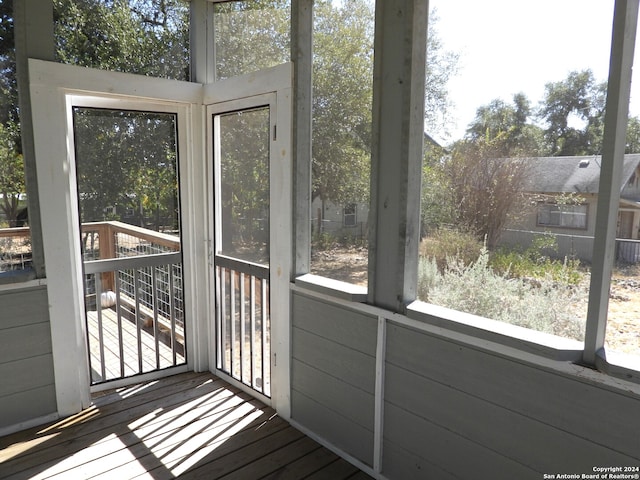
[188,426]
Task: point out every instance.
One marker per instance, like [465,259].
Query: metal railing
[134,299]
[243,322]
[15,248]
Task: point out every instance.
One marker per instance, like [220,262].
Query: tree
[633,136]
[342,100]
[251,36]
[469,186]
[573,110]
[343,92]
[8,86]
[441,66]
[127,160]
[485,189]
[12,183]
[435,207]
[507,128]
[135,36]
[130,163]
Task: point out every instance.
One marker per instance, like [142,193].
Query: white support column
[201,41]
[301,55]
[398,129]
[615,129]
[33,20]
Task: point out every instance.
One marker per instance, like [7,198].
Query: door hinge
[275,133]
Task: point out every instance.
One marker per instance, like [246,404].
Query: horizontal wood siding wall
[333,374]
[27,388]
[452,411]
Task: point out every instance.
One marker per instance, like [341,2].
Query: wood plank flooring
[191,426]
[132,363]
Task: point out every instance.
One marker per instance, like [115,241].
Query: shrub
[427,276]
[445,244]
[477,289]
[535,262]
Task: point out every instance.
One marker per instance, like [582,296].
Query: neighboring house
[563,194]
[342,221]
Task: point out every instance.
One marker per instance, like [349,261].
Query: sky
[508,46]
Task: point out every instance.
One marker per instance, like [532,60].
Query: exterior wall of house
[332,220]
[451,408]
[27,390]
[528,220]
[572,242]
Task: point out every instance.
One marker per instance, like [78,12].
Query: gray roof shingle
[572,174]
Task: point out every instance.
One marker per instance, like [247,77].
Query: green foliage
[435,207]
[579,97]
[536,263]
[134,36]
[633,136]
[476,288]
[244,159]
[342,100]
[12,182]
[506,129]
[428,276]
[446,244]
[126,160]
[441,67]
[251,35]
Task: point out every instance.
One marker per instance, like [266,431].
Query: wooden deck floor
[132,362]
[188,426]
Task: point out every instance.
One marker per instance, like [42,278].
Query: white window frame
[566,215]
[523,343]
[351,216]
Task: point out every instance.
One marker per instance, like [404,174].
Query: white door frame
[55,88]
[273,87]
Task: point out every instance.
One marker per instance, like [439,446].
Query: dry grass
[623,325]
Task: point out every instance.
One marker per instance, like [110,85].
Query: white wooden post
[398,129]
[615,128]
[301,55]
[33,21]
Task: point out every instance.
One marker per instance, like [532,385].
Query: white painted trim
[56,186]
[623,383]
[38,282]
[275,79]
[244,387]
[91,81]
[270,87]
[336,288]
[122,263]
[194,244]
[378,420]
[281,246]
[349,458]
[55,88]
[142,378]
[34,422]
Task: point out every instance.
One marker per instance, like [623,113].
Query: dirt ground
[623,324]
[345,264]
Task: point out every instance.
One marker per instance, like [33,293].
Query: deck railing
[15,248]
[135,273]
[243,322]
